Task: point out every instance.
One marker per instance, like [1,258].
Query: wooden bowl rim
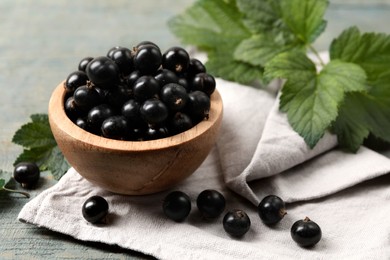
[58,116]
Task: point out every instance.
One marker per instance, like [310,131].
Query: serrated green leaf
[56,163]
[5,177]
[311,100]
[369,50]
[305,18]
[2,183]
[221,63]
[208,24]
[259,49]
[36,154]
[363,113]
[35,134]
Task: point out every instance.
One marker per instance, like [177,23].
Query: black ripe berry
[103,72]
[95,209]
[130,111]
[210,203]
[165,76]
[115,127]
[174,96]
[145,87]
[147,59]
[176,59]
[119,95]
[97,115]
[198,105]
[271,209]
[154,111]
[75,79]
[236,223]
[203,82]
[306,233]
[82,123]
[86,97]
[27,174]
[180,122]
[111,51]
[195,67]
[153,133]
[143,43]
[177,206]
[132,78]
[83,63]
[123,58]
[71,108]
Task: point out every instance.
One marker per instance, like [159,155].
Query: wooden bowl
[133,167]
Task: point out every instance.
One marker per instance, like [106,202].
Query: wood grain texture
[134,167]
[42,41]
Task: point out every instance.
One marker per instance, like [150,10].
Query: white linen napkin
[256,154]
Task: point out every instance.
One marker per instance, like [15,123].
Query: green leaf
[40,146]
[311,100]
[208,24]
[369,50]
[363,113]
[2,183]
[35,134]
[304,18]
[5,177]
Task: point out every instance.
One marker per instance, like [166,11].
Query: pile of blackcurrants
[139,94]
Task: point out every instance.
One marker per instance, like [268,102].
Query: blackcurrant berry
[83,63]
[147,59]
[165,76]
[195,67]
[176,59]
[82,123]
[271,209]
[119,95]
[123,58]
[132,78]
[203,82]
[177,206]
[131,111]
[154,111]
[143,43]
[111,51]
[95,209]
[174,96]
[86,97]
[236,223]
[184,82]
[180,122]
[72,110]
[74,80]
[27,174]
[210,203]
[97,115]
[115,127]
[156,133]
[145,87]
[198,105]
[103,72]
[306,233]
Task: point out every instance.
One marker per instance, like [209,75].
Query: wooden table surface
[42,41]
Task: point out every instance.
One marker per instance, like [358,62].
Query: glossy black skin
[184,82]
[154,111]
[103,72]
[82,123]
[95,209]
[131,111]
[74,80]
[176,59]
[119,95]
[146,87]
[236,223]
[27,174]
[165,77]
[123,58]
[177,206]
[71,108]
[198,105]
[203,82]
[86,97]
[180,122]
[306,233]
[147,59]
[195,67]
[174,96]
[83,63]
[143,43]
[97,115]
[271,209]
[115,127]
[132,78]
[153,133]
[111,51]
[210,203]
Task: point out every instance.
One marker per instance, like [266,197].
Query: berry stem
[315,52]
[27,195]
